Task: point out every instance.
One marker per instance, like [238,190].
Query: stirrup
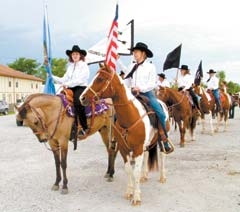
[171,146]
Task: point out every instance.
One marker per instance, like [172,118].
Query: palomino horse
[136,137]
[180,109]
[207,107]
[47,117]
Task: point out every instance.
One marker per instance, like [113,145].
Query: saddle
[66,96]
[151,114]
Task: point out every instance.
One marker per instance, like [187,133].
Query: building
[16,85]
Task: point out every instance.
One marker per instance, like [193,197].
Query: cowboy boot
[165,145]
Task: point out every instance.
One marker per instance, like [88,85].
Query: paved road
[203,176]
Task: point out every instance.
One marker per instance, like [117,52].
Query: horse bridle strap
[44,126]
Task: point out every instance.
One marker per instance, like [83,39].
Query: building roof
[9,72]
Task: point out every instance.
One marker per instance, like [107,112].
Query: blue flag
[49,87]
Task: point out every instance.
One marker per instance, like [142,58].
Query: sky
[209,30]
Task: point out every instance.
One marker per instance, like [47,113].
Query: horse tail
[153,158]
[193,123]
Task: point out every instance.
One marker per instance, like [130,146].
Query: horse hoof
[110,179]
[182,145]
[55,188]
[136,202]
[106,175]
[162,179]
[143,179]
[64,191]
[128,196]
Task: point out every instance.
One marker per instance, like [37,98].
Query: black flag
[173,58]
[199,74]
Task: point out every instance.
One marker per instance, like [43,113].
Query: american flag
[111,55]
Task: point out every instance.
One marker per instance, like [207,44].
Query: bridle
[44,126]
[97,95]
[171,107]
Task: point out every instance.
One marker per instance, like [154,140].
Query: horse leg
[64,152]
[133,171]
[182,134]
[56,155]
[211,124]
[111,161]
[112,152]
[144,173]
[129,172]
[162,168]
[218,122]
[203,121]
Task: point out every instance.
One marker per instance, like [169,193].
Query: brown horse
[225,99]
[47,117]
[207,107]
[136,137]
[209,104]
[180,109]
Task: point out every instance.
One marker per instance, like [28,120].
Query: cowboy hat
[184,67]
[162,75]
[143,47]
[76,48]
[121,73]
[211,71]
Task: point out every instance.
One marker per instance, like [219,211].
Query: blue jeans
[157,107]
[217,97]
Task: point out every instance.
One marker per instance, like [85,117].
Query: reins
[97,96]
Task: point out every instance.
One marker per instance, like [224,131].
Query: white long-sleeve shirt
[145,77]
[185,81]
[77,74]
[164,83]
[213,83]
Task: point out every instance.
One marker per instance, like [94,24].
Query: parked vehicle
[4,107]
[18,104]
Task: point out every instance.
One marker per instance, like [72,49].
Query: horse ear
[101,65]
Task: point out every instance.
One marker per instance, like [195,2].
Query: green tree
[28,66]
[221,75]
[233,87]
[58,68]
[32,67]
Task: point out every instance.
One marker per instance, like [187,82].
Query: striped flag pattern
[111,55]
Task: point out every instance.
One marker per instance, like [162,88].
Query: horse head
[33,117]
[163,94]
[100,87]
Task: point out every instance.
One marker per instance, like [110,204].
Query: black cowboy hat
[162,75]
[184,67]
[211,71]
[121,73]
[143,47]
[76,48]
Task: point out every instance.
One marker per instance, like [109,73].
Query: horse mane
[25,106]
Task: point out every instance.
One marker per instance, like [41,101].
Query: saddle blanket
[99,108]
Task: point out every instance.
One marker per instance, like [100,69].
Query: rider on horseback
[213,85]
[76,79]
[142,79]
[185,83]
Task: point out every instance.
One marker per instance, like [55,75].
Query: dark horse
[135,135]
[47,117]
[180,109]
